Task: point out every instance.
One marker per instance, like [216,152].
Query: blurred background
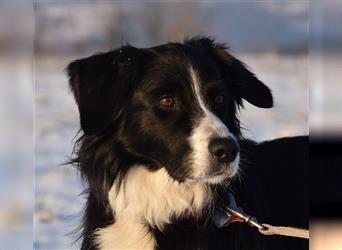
[38,40]
[16,126]
[325,77]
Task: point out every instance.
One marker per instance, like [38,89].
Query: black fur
[274,189]
[116,93]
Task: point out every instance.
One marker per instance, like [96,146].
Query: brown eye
[219,99]
[167,102]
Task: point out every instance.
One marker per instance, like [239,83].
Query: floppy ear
[250,87]
[246,84]
[100,83]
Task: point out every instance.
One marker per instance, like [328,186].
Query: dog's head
[173,105]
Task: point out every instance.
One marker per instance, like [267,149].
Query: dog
[161,144]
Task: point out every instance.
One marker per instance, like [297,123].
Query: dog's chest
[184,235]
[125,234]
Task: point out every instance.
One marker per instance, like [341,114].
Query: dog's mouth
[225,172]
[218,176]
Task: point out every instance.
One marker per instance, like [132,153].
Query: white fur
[148,197]
[208,127]
[125,234]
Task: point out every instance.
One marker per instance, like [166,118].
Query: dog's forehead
[178,63]
[180,52]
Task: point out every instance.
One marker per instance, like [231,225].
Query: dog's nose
[224,149]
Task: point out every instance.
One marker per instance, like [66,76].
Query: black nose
[224,149]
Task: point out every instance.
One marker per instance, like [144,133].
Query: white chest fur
[148,198]
[125,234]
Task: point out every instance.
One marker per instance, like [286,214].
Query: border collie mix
[162,144]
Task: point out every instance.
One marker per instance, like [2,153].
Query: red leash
[231,213]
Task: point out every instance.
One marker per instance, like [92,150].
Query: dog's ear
[248,86]
[100,83]
[245,83]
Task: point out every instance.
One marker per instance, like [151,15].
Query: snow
[57,188]
[16,153]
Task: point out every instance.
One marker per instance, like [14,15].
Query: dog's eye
[167,102]
[219,99]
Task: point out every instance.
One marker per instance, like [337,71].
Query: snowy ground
[16,152]
[57,188]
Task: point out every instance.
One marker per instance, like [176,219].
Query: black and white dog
[162,142]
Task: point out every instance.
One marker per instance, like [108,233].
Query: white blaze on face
[208,127]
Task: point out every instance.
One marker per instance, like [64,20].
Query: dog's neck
[145,200]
